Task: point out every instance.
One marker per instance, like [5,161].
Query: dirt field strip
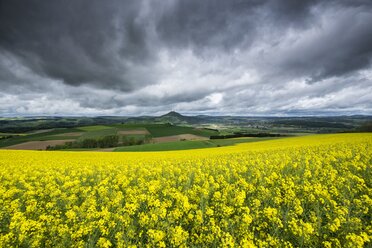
[36,145]
[178,138]
[41,131]
[134,131]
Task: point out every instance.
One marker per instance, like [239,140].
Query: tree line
[104,142]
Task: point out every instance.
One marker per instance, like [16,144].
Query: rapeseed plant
[298,192]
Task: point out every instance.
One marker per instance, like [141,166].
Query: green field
[93,128]
[230,142]
[39,137]
[131,142]
[6,134]
[161,130]
[156,130]
[99,131]
[186,145]
[167,146]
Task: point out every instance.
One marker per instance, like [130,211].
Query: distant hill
[173,114]
[174,118]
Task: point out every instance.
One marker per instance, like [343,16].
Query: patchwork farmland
[127,134]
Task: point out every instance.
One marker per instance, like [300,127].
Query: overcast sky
[235,57]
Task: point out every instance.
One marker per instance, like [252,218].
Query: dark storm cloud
[208,24]
[344,46]
[147,56]
[72,40]
[226,25]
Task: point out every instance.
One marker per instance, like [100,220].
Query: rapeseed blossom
[298,192]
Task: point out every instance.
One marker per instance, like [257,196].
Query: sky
[217,57]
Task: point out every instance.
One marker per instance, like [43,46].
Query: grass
[187,145]
[130,126]
[98,133]
[168,146]
[39,137]
[230,142]
[124,128]
[163,130]
[94,128]
[136,136]
[52,137]
[15,134]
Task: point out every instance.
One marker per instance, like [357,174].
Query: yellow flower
[104,243]
[156,235]
[298,192]
[178,236]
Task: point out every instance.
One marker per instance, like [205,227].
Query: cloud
[222,57]
[340,42]
[85,42]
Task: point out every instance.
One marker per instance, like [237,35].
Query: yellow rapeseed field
[312,191]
